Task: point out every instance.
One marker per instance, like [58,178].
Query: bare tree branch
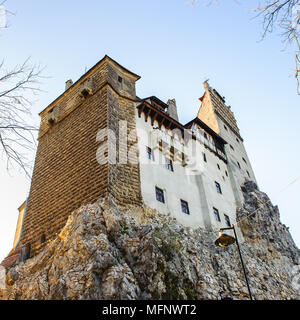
[18,86]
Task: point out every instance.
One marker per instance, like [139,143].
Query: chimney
[172,109]
[69,84]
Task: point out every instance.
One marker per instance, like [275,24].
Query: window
[226,173]
[225,127]
[159,195]
[172,152]
[204,157]
[248,174]
[85,93]
[244,160]
[218,187]
[183,159]
[216,214]
[227,220]
[239,164]
[160,145]
[51,122]
[232,148]
[205,136]
[43,238]
[150,154]
[218,166]
[237,140]
[185,207]
[120,81]
[169,165]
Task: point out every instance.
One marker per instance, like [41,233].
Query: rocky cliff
[138,253]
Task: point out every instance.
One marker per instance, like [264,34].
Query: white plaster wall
[195,185]
[238,176]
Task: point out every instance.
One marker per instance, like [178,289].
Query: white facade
[203,186]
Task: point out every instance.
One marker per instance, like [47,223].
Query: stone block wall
[66,172]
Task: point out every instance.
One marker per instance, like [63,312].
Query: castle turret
[219,117]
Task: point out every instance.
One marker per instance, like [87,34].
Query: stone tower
[218,116]
[66,172]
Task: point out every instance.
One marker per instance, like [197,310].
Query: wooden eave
[206,128]
[157,114]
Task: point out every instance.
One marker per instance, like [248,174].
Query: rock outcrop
[138,253]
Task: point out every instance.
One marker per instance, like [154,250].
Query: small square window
[216,214]
[227,220]
[85,93]
[185,207]
[150,154]
[159,195]
[218,187]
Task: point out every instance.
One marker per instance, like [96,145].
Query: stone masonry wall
[66,172]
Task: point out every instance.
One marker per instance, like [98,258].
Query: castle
[99,139]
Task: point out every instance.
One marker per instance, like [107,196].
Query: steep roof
[220,108]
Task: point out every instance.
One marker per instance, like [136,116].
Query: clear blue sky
[174,47]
